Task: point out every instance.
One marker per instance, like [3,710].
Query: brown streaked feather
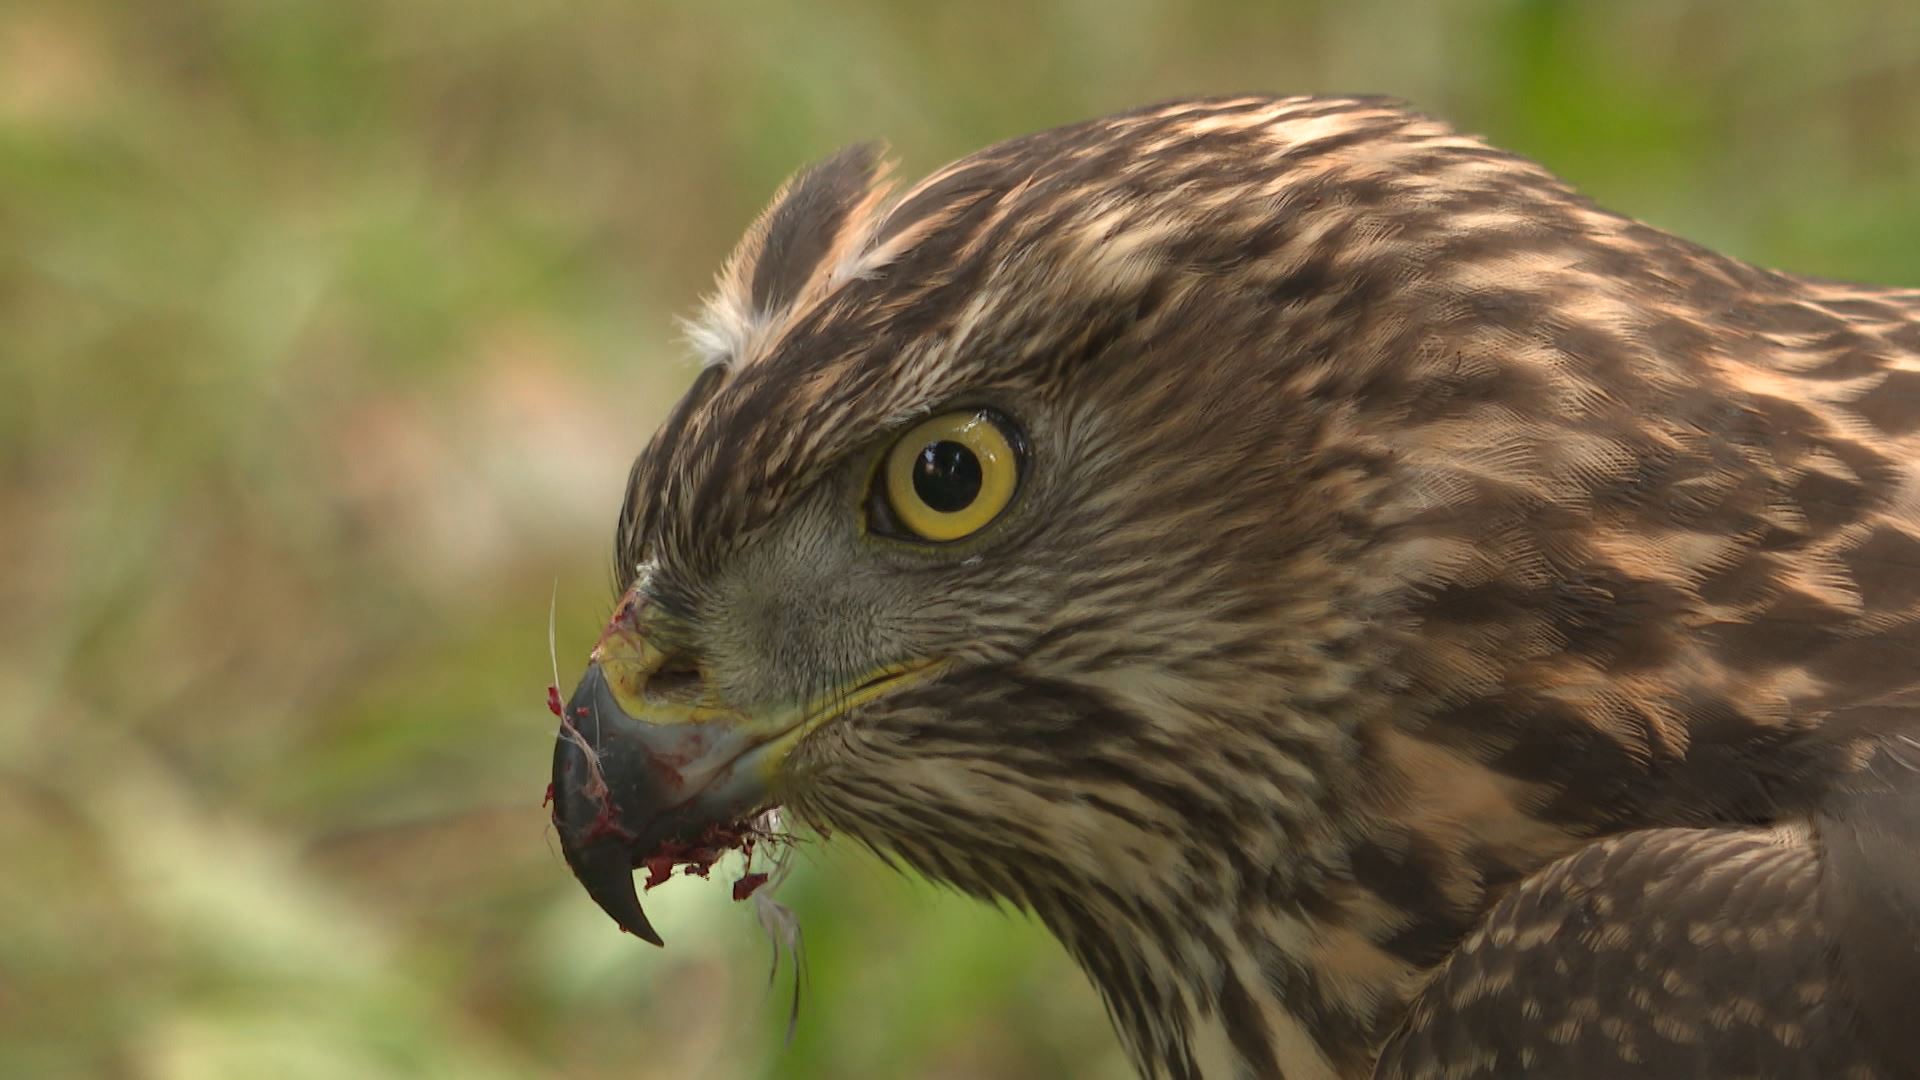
[793,249]
[1409,544]
[1787,951]
[809,230]
[1667,952]
[1870,892]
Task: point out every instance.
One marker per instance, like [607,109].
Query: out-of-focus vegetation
[327,330]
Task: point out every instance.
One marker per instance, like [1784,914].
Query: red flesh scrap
[553,700]
[606,823]
[696,858]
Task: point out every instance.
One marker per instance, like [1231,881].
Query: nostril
[677,681]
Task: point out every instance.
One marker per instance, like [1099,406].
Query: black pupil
[946,476]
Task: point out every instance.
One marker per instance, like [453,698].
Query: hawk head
[1247,533]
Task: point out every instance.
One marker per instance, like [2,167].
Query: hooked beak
[626,791]
[651,769]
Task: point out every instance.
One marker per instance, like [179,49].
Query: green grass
[327,330]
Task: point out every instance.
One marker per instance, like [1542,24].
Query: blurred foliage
[327,330]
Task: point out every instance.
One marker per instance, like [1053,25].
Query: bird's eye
[948,477]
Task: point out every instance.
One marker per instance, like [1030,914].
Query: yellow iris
[951,475]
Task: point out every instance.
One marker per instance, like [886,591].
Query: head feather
[789,254]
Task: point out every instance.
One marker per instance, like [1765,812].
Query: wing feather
[1784,951]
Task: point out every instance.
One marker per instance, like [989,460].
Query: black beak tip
[604,868]
[607,875]
[599,845]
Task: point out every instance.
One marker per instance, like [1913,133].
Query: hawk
[1385,614]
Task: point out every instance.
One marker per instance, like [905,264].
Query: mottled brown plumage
[1441,623]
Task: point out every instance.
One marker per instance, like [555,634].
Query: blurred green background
[327,331]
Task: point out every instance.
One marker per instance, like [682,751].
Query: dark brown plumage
[1439,623]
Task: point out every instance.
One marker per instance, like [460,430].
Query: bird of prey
[1385,614]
